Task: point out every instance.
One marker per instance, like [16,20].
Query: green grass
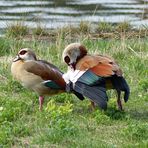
[40,31]
[104,27]
[65,121]
[17,29]
[85,29]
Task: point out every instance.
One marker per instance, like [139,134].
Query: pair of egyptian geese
[87,75]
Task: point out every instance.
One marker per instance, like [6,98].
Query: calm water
[57,13]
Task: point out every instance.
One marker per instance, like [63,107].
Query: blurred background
[58,13]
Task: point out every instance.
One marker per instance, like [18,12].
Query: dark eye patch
[67,59]
[22,52]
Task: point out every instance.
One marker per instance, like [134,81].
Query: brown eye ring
[67,59]
[22,52]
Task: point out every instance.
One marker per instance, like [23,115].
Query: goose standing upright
[38,75]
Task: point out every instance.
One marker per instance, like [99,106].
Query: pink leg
[119,103]
[41,100]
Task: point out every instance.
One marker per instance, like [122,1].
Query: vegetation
[39,31]
[17,29]
[66,121]
[101,30]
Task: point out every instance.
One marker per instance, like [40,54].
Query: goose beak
[73,66]
[16,58]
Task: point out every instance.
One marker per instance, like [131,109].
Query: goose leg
[41,100]
[92,105]
[119,103]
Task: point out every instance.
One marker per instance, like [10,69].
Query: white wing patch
[72,75]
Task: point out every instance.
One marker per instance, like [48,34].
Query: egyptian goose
[38,75]
[92,75]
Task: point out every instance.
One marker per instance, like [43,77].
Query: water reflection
[57,13]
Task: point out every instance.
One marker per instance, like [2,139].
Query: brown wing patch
[102,70]
[49,64]
[38,69]
[86,62]
[99,64]
[115,67]
[45,71]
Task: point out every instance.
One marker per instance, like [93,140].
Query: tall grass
[66,121]
[17,29]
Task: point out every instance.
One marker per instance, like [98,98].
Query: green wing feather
[51,84]
[90,78]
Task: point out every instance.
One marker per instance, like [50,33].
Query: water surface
[58,13]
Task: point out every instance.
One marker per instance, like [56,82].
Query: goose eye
[67,59]
[22,52]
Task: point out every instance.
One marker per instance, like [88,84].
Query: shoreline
[102,30]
